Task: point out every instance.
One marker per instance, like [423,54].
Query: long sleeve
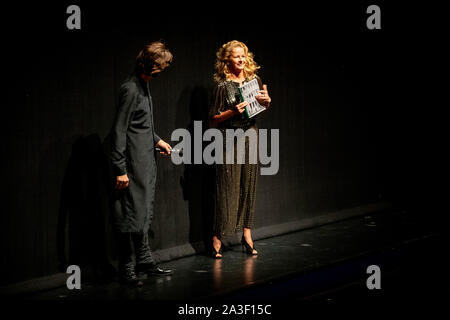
[156,138]
[218,100]
[122,120]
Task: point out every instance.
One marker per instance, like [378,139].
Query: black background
[343,97]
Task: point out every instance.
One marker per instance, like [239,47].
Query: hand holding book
[258,100]
[263,97]
[240,108]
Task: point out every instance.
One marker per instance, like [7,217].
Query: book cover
[248,91]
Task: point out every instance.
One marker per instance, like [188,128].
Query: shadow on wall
[84,231]
[197,181]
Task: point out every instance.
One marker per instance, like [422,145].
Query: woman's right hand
[239,108]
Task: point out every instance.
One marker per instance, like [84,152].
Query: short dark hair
[153,53]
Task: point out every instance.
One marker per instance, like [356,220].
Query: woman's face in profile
[237,59]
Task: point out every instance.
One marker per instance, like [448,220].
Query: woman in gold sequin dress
[234,195]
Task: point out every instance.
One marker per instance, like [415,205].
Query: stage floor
[326,264]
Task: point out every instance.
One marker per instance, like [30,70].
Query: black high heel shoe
[246,247]
[216,253]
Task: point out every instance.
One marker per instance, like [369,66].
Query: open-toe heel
[246,247]
[217,254]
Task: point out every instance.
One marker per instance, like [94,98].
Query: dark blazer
[133,142]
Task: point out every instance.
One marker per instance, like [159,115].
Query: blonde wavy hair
[223,59]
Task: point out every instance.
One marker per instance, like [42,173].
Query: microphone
[180,151]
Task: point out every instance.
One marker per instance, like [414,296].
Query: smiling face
[234,62]
[237,60]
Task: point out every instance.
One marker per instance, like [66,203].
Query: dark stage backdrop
[332,83]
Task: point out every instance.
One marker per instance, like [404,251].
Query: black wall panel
[331,81]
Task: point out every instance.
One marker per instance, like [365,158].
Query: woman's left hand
[263,97]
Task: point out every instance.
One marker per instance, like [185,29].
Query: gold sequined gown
[235,184]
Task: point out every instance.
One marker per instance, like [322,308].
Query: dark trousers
[133,249]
